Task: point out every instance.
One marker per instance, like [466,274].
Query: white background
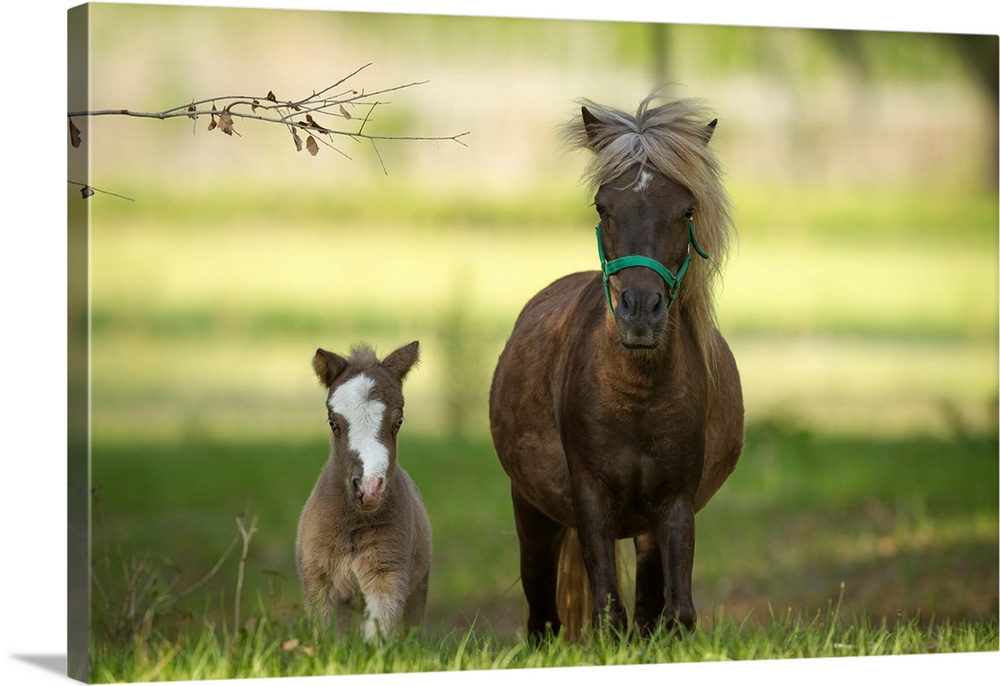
[33,335]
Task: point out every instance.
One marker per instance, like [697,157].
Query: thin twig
[379,156]
[247,534]
[367,116]
[353,73]
[84,188]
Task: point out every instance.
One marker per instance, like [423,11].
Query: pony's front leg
[539,538]
[676,537]
[596,528]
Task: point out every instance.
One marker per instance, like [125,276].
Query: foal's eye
[335,427]
[398,424]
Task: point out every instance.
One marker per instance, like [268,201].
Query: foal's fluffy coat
[364,540]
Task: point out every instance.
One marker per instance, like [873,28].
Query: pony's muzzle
[641,315]
[368,491]
[641,306]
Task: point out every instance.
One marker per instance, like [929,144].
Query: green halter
[673,281]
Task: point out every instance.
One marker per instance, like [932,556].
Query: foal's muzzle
[368,491]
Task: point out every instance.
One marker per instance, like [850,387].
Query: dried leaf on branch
[226,123]
[74,135]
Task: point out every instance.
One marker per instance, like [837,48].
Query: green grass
[270,649]
[909,526]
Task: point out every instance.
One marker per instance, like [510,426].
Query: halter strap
[672,280]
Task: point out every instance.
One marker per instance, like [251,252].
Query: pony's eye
[399,423]
[335,427]
[689,214]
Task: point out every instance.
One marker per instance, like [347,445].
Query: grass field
[869,482]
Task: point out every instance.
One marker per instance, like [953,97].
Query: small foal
[364,540]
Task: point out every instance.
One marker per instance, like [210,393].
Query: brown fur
[623,426]
[351,560]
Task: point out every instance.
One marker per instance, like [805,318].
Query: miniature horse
[364,540]
[616,408]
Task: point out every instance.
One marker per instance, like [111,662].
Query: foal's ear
[328,366]
[401,361]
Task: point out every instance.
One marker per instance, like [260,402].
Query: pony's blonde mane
[672,138]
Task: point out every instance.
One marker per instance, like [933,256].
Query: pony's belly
[537,469]
[522,407]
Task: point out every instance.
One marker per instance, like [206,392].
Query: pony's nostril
[626,302]
[657,309]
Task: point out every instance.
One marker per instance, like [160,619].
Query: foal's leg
[315,593]
[385,597]
[539,538]
[648,583]
[676,535]
[416,604]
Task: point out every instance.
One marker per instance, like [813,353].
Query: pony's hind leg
[540,538]
[649,600]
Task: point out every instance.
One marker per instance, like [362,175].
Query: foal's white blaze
[363,415]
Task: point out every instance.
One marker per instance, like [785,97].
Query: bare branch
[283,112]
[295,115]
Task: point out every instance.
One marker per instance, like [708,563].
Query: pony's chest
[648,418]
[639,445]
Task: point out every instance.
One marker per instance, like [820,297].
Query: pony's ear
[592,125]
[709,130]
[401,361]
[328,366]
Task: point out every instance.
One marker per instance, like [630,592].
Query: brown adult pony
[616,408]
